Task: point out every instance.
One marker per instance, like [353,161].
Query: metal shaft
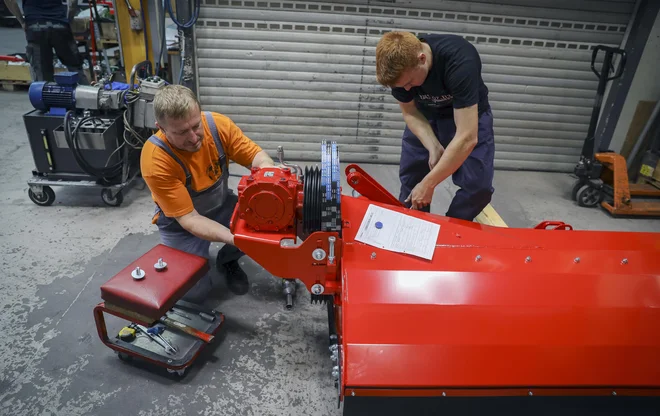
[168,348]
[331,256]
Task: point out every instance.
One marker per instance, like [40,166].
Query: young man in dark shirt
[46,25]
[449,124]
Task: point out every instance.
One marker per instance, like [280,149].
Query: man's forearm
[421,128]
[206,229]
[262,160]
[15,10]
[455,154]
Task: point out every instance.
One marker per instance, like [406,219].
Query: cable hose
[182,26]
[71,137]
[188,24]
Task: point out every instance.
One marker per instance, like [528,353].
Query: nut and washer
[160,265]
[138,274]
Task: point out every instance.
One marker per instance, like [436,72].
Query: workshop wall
[645,86]
[297,72]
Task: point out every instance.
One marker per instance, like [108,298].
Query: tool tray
[188,347]
[152,296]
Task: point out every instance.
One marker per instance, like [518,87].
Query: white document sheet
[393,231]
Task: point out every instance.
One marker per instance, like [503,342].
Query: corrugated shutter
[297,72]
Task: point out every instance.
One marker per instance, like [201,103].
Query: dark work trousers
[474,177]
[42,38]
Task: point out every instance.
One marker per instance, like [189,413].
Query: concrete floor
[266,361]
[13,40]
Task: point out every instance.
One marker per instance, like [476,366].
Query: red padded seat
[158,291]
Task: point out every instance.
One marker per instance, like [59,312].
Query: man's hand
[421,195]
[435,154]
[205,228]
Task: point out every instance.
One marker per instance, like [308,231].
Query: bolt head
[353,393]
[373,255]
[478,258]
[530,393]
[318,254]
[577,260]
[528,259]
[317,289]
[624,261]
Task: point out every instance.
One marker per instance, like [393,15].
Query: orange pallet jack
[605,174]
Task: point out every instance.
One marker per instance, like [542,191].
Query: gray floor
[13,40]
[267,360]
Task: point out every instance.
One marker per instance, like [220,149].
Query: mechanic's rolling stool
[147,293]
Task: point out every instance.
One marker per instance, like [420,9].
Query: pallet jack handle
[607,61]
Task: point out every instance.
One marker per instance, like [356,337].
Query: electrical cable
[181,26]
[188,24]
[163,36]
[144,32]
[106,173]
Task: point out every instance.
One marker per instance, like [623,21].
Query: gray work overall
[216,202]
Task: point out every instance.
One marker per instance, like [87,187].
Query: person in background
[47,27]
[437,82]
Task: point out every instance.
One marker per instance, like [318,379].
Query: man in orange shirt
[185,164]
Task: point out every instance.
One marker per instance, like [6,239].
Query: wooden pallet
[9,85]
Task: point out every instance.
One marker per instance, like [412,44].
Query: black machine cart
[88,136]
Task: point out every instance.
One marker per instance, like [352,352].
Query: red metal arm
[293,262]
[367,186]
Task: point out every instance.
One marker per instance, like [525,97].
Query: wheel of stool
[180,373]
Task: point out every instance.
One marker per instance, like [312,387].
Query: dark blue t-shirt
[45,11]
[454,80]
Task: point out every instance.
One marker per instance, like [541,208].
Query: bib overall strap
[218,144]
[158,142]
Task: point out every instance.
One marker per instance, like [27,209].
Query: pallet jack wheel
[576,187]
[108,199]
[124,357]
[588,196]
[47,196]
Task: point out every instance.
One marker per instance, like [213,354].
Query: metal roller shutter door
[297,72]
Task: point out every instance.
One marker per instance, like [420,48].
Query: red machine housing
[268,199]
[546,320]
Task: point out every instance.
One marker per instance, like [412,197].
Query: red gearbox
[269,199]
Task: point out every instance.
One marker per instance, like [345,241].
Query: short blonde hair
[174,101]
[396,52]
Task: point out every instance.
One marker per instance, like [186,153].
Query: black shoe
[237,280]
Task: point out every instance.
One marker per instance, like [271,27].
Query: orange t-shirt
[166,178]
